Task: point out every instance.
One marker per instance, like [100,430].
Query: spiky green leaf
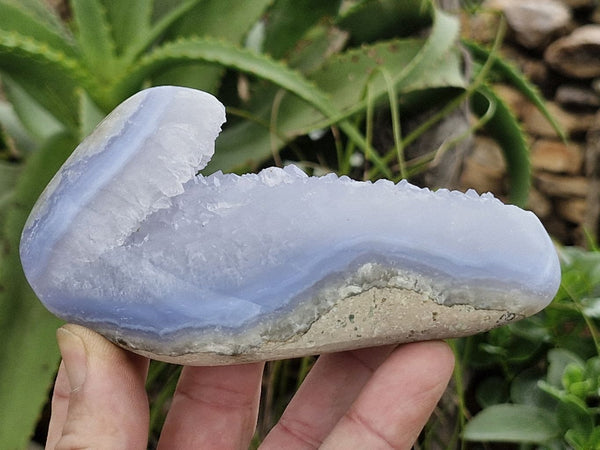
[129,22]
[289,20]
[47,75]
[32,18]
[207,20]
[94,38]
[157,30]
[504,127]
[370,20]
[38,121]
[517,79]
[413,64]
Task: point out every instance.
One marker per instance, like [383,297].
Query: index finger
[396,403]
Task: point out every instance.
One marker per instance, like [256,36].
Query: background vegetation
[343,86]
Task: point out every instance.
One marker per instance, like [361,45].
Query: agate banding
[129,240]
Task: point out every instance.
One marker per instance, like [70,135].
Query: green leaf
[33,19]
[225,19]
[512,423]
[571,416]
[40,11]
[28,355]
[580,274]
[558,360]
[491,391]
[524,389]
[47,75]
[38,121]
[289,20]
[228,55]
[90,115]
[246,61]
[371,20]
[515,77]
[9,174]
[94,38]
[414,64]
[11,129]
[207,19]
[318,45]
[158,29]
[504,127]
[129,22]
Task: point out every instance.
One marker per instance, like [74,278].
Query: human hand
[370,398]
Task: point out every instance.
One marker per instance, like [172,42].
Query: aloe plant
[284,68]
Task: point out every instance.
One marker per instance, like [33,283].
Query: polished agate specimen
[128,239]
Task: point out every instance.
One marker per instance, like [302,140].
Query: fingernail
[74,357]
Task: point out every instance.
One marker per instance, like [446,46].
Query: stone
[130,240]
[534,22]
[573,123]
[485,168]
[576,55]
[595,16]
[481,27]
[562,186]
[572,209]
[557,156]
[539,204]
[579,4]
[596,86]
[533,68]
[577,97]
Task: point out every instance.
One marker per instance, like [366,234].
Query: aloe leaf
[318,44]
[344,78]
[129,22]
[41,11]
[207,19]
[228,55]
[94,38]
[12,131]
[9,174]
[160,27]
[514,76]
[28,355]
[38,121]
[47,75]
[289,20]
[504,127]
[32,18]
[246,61]
[89,113]
[439,54]
[415,64]
[371,20]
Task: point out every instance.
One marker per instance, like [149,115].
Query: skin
[377,398]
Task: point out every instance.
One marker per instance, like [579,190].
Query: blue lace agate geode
[129,240]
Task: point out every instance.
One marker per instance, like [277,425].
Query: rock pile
[556,43]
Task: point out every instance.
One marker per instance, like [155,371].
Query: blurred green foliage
[543,384]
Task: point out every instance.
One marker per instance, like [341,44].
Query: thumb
[99,399]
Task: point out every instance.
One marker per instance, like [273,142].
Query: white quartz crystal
[129,240]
